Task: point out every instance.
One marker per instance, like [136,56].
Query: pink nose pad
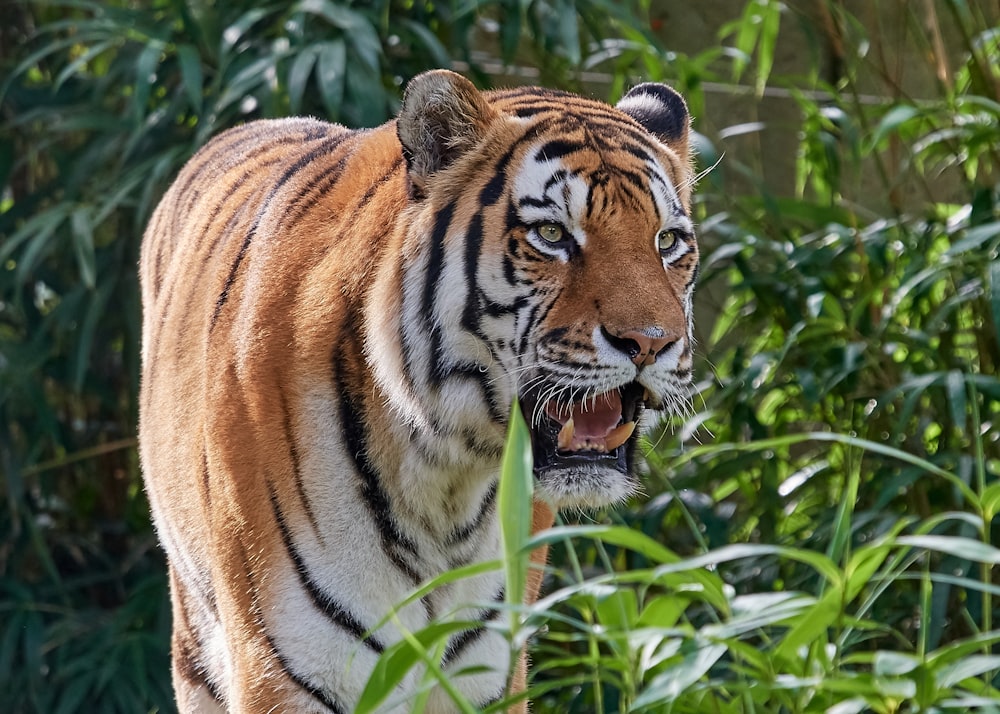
[641,346]
[646,347]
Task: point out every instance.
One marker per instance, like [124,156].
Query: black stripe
[475,303]
[217,151]
[205,481]
[493,190]
[317,693]
[324,602]
[374,496]
[435,260]
[535,202]
[463,533]
[557,148]
[637,151]
[377,185]
[301,163]
[293,452]
[473,250]
[439,370]
[318,186]
[490,450]
[509,273]
[465,639]
[192,670]
[153,340]
[231,278]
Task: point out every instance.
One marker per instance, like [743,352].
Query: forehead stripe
[557,148]
[493,189]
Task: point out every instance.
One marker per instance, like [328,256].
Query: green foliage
[830,546]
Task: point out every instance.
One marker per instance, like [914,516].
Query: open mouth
[596,431]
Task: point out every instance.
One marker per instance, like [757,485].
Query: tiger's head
[554,260]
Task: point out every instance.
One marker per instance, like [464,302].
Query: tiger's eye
[666,239]
[551,232]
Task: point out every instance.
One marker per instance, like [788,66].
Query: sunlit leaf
[514,509]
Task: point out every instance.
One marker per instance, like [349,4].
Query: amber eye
[551,232]
[667,239]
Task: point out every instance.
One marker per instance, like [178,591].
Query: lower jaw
[586,484]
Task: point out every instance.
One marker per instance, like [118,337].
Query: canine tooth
[565,437]
[619,435]
[646,395]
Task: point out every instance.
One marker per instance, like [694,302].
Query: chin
[586,486]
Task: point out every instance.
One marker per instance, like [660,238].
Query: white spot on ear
[640,104]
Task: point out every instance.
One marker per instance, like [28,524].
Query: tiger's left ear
[443,115]
[663,112]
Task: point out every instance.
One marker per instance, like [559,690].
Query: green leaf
[769,23]
[191,75]
[331,71]
[145,76]
[955,387]
[235,31]
[974,239]
[569,32]
[966,668]
[698,657]
[811,626]
[862,566]
[439,53]
[88,328]
[400,658]
[613,535]
[892,120]
[514,505]
[893,664]
[662,611]
[994,297]
[990,503]
[83,245]
[618,609]
[36,232]
[963,548]
[298,76]
[510,32]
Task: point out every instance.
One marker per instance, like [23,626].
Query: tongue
[592,425]
[596,418]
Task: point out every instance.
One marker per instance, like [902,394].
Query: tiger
[336,324]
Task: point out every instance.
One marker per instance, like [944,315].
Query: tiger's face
[580,264]
[603,238]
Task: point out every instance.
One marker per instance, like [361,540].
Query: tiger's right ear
[663,112]
[443,115]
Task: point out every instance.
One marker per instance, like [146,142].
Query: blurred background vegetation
[832,493]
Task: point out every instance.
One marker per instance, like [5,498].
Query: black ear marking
[443,115]
[660,109]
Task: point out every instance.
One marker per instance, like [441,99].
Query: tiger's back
[335,324]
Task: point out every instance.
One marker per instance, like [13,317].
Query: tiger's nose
[641,346]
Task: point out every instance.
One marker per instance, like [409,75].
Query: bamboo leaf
[298,76]
[963,548]
[994,298]
[83,244]
[191,75]
[514,497]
